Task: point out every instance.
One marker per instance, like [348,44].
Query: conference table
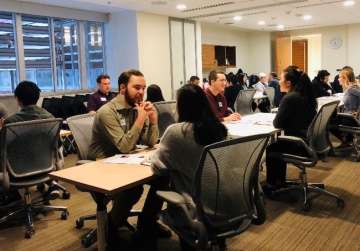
[104,179]
[327,99]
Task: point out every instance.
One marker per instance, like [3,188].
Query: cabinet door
[231,55]
[220,55]
[208,56]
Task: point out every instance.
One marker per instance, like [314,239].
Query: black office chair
[270,93]
[225,197]
[167,114]
[352,127]
[244,100]
[317,146]
[29,151]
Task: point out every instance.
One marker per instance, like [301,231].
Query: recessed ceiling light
[181,7]
[280,27]
[348,3]
[307,17]
[261,23]
[237,18]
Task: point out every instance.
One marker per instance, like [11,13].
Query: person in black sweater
[320,84]
[232,91]
[296,111]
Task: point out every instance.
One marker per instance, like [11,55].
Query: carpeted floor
[325,227]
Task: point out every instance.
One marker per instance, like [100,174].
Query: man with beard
[119,125]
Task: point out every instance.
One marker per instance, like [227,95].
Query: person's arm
[161,160]
[284,113]
[124,142]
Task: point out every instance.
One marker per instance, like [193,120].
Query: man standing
[119,125]
[102,95]
[217,100]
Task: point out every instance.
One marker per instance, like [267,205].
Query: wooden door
[282,53]
[299,54]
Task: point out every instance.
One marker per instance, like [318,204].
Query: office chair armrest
[300,142]
[183,202]
[171,197]
[349,129]
[83,161]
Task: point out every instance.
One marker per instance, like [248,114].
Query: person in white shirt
[262,84]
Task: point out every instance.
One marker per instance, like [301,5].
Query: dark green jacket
[30,112]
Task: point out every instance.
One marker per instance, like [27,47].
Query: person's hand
[141,115]
[233,117]
[151,111]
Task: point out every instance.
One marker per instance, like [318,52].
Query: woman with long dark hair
[197,127]
[154,94]
[296,111]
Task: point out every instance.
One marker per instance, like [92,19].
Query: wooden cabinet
[218,56]
[208,56]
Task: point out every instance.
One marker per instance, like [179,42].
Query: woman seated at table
[182,144]
[351,101]
[351,91]
[296,111]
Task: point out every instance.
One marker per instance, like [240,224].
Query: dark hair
[193,107]
[253,79]
[213,75]
[154,94]
[301,83]
[194,78]
[27,93]
[322,74]
[274,74]
[101,77]
[126,75]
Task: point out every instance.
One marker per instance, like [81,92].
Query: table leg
[101,218]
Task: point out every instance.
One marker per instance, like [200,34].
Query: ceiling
[288,13]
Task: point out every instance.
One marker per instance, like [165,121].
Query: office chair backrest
[270,93]
[30,148]
[81,128]
[227,174]
[167,114]
[317,133]
[243,102]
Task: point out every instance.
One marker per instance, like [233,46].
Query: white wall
[259,58]
[253,49]
[347,54]
[121,44]
[154,50]
[227,36]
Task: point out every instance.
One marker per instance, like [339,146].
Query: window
[67,54]
[37,51]
[94,52]
[8,71]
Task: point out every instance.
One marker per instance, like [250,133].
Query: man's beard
[132,101]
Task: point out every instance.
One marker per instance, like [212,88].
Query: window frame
[82,54]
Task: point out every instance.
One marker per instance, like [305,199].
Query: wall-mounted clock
[336,42]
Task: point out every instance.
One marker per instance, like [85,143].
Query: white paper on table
[126,159]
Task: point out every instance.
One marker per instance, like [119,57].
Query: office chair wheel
[340,203]
[29,233]
[90,238]
[64,215]
[307,206]
[79,224]
[66,195]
